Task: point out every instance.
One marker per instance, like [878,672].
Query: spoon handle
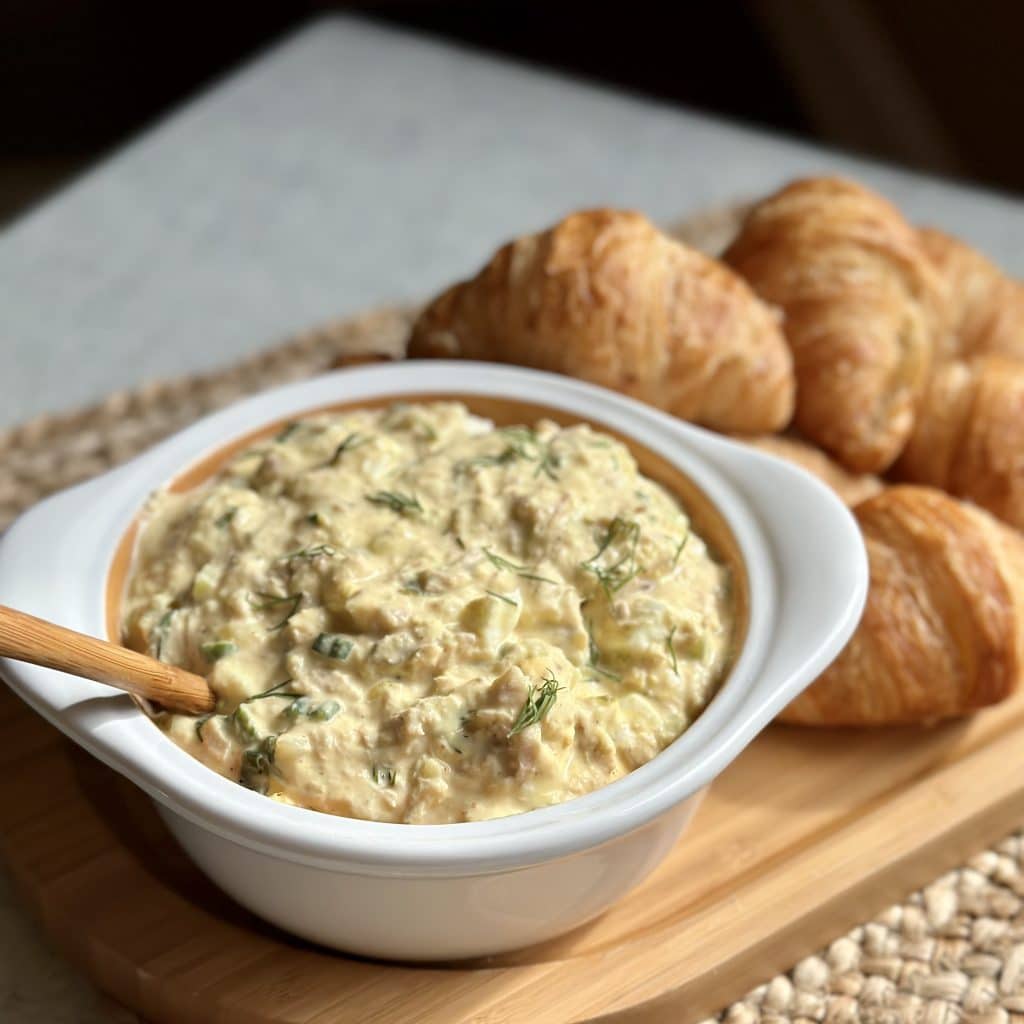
[26,638]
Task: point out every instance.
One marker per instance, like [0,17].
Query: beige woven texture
[952,952]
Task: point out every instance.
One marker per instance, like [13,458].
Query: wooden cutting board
[807,834]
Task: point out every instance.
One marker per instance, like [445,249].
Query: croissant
[852,488]
[605,296]
[969,438]
[986,308]
[863,307]
[943,629]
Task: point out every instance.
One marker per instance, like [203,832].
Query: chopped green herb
[293,601]
[299,707]
[459,542]
[539,701]
[315,519]
[679,550]
[200,722]
[536,578]
[326,711]
[501,459]
[303,707]
[672,649]
[352,441]
[502,563]
[260,759]
[314,552]
[625,533]
[502,597]
[243,721]
[159,635]
[527,445]
[277,690]
[520,570]
[258,763]
[217,649]
[382,774]
[403,504]
[333,645]
[222,520]
[273,601]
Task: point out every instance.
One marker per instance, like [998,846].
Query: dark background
[933,84]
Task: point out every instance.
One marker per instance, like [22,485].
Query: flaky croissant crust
[606,296]
[863,307]
[943,629]
[969,437]
[985,306]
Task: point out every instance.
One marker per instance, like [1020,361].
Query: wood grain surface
[26,638]
[803,836]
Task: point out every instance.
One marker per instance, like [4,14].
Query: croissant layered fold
[862,306]
[985,307]
[943,630]
[605,296]
[969,437]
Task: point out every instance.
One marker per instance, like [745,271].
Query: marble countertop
[349,166]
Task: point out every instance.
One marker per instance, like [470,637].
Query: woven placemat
[952,952]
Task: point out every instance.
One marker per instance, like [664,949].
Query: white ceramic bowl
[446,891]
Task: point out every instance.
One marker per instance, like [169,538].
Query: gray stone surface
[349,166]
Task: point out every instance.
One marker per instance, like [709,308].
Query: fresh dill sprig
[539,701]
[520,570]
[537,579]
[350,442]
[159,635]
[402,504]
[672,649]
[502,458]
[382,774]
[222,520]
[502,597]
[277,690]
[200,722]
[502,563]
[623,532]
[273,601]
[527,445]
[679,549]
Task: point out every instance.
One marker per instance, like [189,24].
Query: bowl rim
[117,732]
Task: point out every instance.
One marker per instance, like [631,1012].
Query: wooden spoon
[26,638]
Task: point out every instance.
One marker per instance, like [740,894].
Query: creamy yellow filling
[410,615]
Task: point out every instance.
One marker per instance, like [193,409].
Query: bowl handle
[820,560]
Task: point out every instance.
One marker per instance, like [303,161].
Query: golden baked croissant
[969,438]
[986,308]
[863,306]
[852,488]
[606,296]
[943,629]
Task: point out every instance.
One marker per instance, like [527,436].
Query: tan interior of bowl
[705,517]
